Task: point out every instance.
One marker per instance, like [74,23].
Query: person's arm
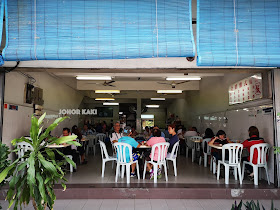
[113,139]
[211,142]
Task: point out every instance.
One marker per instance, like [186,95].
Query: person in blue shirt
[135,156]
[174,138]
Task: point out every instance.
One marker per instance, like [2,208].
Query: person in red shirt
[254,139]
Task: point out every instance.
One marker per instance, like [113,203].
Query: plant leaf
[64,139]
[31,169]
[22,139]
[5,172]
[41,186]
[48,165]
[41,118]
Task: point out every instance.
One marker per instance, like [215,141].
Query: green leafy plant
[276,150]
[237,207]
[4,162]
[34,178]
[250,205]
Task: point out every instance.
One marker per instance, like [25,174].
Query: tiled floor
[188,172]
[153,204]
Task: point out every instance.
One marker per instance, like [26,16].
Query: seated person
[134,144]
[70,150]
[116,134]
[174,138]
[133,132]
[147,131]
[190,132]
[87,131]
[152,141]
[81,149]
[157,128]
[209,134]
[220,139]
[253,140]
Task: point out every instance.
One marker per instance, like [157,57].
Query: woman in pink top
[154,140]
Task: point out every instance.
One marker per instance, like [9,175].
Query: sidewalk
[146,204]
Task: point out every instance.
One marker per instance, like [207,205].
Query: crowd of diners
[154,135]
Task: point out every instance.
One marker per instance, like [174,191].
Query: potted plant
[34,178]
[4,162]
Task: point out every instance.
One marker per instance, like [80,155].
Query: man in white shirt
[116,135]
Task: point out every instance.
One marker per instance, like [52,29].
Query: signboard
[245,90]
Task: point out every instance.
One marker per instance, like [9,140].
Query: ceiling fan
[173,83]
[105,83]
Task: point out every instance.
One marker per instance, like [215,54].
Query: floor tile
[158,204]
[93,204]
[109,204]
[142,204]
[126,204]
[175,204]
[76,204]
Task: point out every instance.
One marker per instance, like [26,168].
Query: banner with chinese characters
[245,90]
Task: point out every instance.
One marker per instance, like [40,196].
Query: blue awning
[238,33]
[98,29]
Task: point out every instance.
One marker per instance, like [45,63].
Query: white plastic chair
[208,150]
[189,145]
[91,141]
[121,161]
[173,157]
[234,151]
[196,145]
[23,147]
[105,157]
[99,137]
[262,150]
[162,151]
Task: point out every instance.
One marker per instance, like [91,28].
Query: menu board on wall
[245,90]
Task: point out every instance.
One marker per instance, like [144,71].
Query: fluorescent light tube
[183,78]
[94,78]
[158,99]
[169,91]
[104,99]
[152,106]
[107,91]
[147,116]
[110,104]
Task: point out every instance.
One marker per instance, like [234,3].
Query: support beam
[138,115]
[2,92]
[275,80]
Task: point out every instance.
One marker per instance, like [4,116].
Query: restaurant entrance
[203,103]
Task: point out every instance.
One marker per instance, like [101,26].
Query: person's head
[253,131]
[171,129]
[209,133]
[147,128]
[221,134]
[156,133]
[85,127]
[194,129]
[117,127]
[66,132]
[132,128]
[156,127]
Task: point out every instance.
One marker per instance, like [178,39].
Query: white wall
[56,96]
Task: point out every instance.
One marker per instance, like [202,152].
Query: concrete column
[138,115]
[275,80]
[2,92]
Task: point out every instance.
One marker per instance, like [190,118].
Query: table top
[84,139]
[145,147]
[58,145]
[216,146]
